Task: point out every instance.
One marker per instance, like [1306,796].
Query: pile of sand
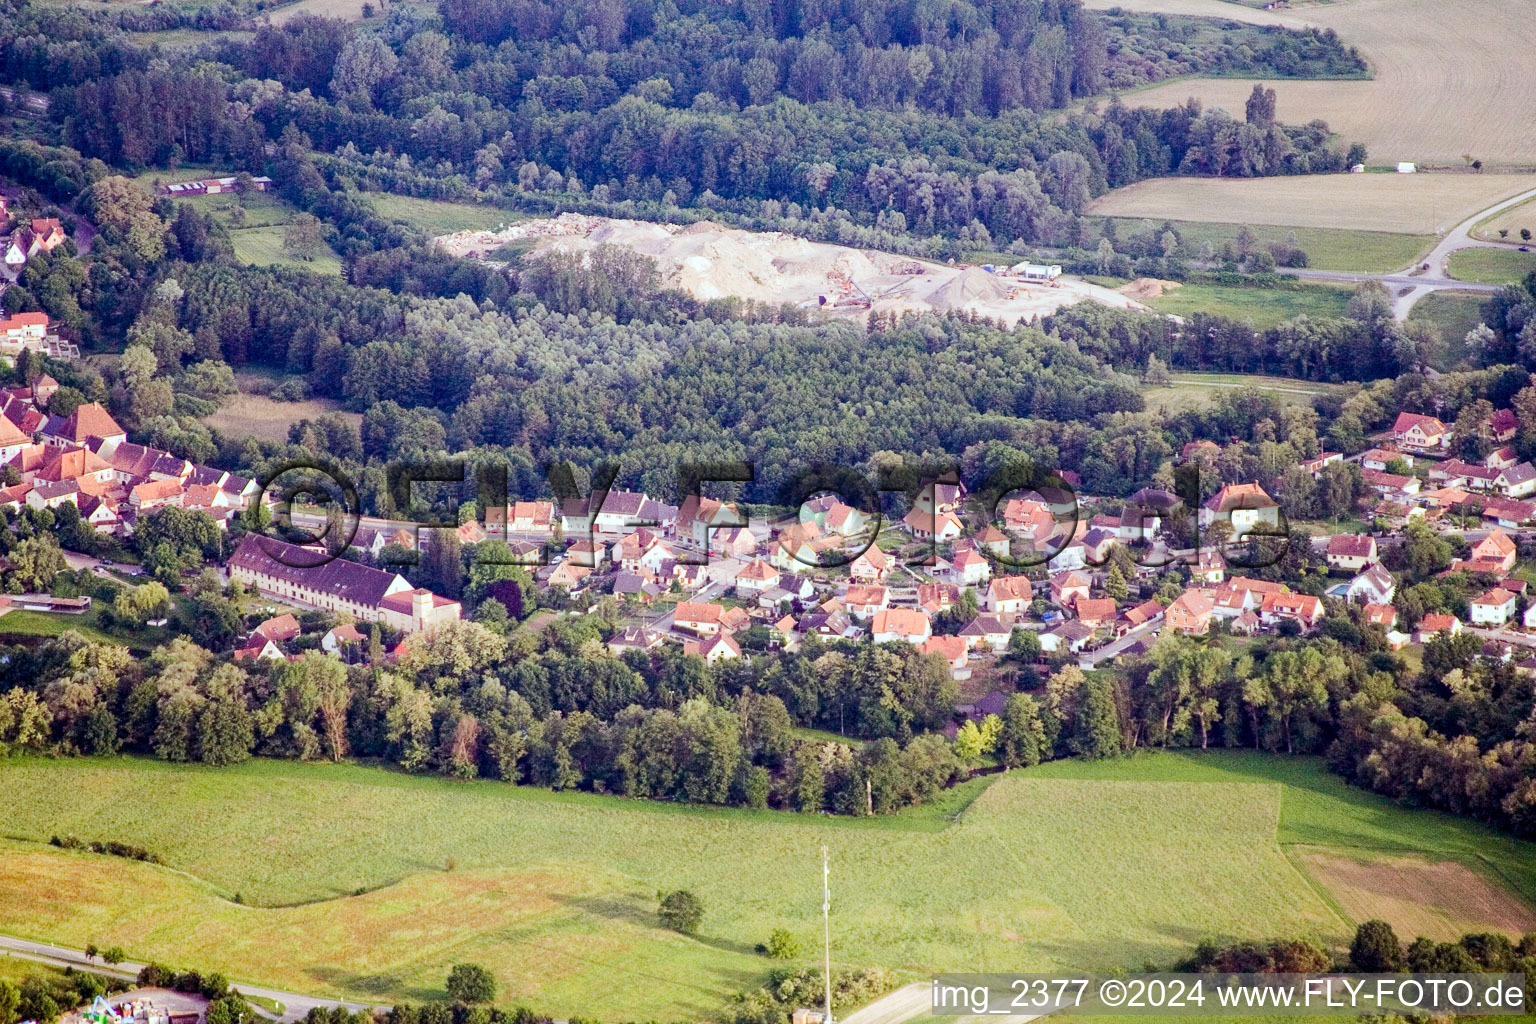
[1144,288]
[711,261]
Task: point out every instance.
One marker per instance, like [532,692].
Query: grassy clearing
[257,237]
[251,415]
[1491,266]
[1263,307]
[1189,391]
[1370,252]
[438,217]
[1470,56]
[1415,204]
[1090,866]
[18,625]
[1453,314]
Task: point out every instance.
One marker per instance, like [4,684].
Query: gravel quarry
[711,261]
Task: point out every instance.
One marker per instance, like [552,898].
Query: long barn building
[303,576]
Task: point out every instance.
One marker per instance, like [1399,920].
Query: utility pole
[826,924]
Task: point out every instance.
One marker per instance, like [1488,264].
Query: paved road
[295,1005]
[1414,287]
[916,1000]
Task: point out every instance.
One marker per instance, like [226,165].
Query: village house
[699,517]
[1381,458]
[1391,485]
[1209,568]
[698,617]
[1374,586]
[1503,426]
[1097,544]
[940,527]
[1383,615]
[1303,609]
[621,512]
[937,497]
[634,638]
[343,641]
[986,632]
[934,598]
[306,577]
[1434,624]
[953,650]
[1144,614]
[1350,552]
[871,566]
[891,624]
[1501,458]
[1067,588]
[755,578]
[1315,466]
[90,420]
[1247,508]
[1494,608]
[969,568]
[1009,595]
[1419,431]
[1029,520]
[863,601]
[732,542]
[1495,553]
[1095,613]
[994,542]
[717,648]
[1070,636]
[1190,613]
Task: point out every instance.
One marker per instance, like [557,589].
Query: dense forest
[824,120]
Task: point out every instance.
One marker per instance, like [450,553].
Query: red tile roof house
[303,576]
[1494,608]
[88,421]
[1096,613]
[863,601]
[1303,609]
[1350,552]
[755,578]
[1009,595]
[1190,613]
[1431,626]
[1247,507]
[698,617]
[1420,431]
[891,624]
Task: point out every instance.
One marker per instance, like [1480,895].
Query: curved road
[1437,277]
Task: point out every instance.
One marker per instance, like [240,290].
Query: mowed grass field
[1371,252]
[258,239]
[1188,391]
[1452,314]
[1415,204]
[1449,77]
[440,217]
[1263,307]
[1491,266]
[342,874]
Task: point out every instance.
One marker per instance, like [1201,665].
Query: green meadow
[352,880]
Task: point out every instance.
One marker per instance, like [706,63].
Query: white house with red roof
[1420,431]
